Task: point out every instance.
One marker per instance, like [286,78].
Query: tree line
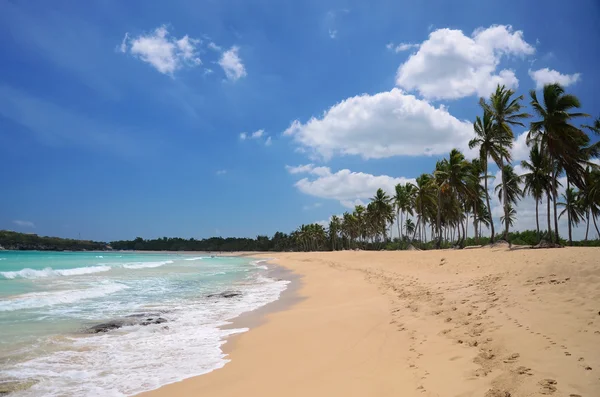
[444,202]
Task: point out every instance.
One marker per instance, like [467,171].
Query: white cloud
[232,64]
[332,33]
[548,76]
[520,150]
[382,125]
[213,46]
[243,136]
[164,52]
[450,65]
[347,187]
[221,172]
[257,134]
[268,142]
[123,46]
[401,47]
[21,223]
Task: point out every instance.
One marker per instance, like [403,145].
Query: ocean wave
[49,272]
[36,300]
[148,357]
[198,258]
[144,265]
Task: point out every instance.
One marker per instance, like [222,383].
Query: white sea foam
[198,258]
[144,265]
[35,300]
[145,358]
[49,272]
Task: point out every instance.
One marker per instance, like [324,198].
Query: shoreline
[480,322]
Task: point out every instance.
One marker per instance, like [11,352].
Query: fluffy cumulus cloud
[548,76]
[382,125]
[450,64]
[232,64]
[163,51]
[347,187]
[26,224]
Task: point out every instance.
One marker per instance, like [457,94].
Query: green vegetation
[23,241]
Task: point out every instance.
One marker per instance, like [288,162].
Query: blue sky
[123,119]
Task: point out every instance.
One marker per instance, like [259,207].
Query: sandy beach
[486,322]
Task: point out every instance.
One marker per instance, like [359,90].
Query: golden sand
[476,322]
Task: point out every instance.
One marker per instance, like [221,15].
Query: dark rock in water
[105,327]
[225,294]
[116,324]
[143,315]
[8,387]
[158,320]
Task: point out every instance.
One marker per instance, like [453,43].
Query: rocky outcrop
[225,294]
[134,319]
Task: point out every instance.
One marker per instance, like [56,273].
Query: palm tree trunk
[466,225]
[537,219]
[587,223]
[554,194]
[505,201]
[548,215]
[417,227]
[399,220]
[439,217]
[487,197]
[596,226]
[569,213]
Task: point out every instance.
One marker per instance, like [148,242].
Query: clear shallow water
[48,298]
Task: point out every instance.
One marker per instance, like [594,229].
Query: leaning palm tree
[573,209]
[506,112]
[536,182]
[560,140]
[492,145]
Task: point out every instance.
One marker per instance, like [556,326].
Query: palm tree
[334,228]
[558,138]
[537,182]
[409,227]
[491,144]
[381,210]
[400,200]
[510,186]
[573,209]
[475,193]
[512,215]
[506,113]
[423,199]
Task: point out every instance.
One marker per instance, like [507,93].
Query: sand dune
[480,322]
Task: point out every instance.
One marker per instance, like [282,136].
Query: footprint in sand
[548,386]
[523,371]
[512,358]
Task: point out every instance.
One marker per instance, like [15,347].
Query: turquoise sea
[49,299]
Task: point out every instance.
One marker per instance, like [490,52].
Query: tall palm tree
[475,193]
[506,112]
[560,140]
[537,181]
[382,208]
[400,201]
[423,199]
[492,145]
[334,229]
[572,207]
